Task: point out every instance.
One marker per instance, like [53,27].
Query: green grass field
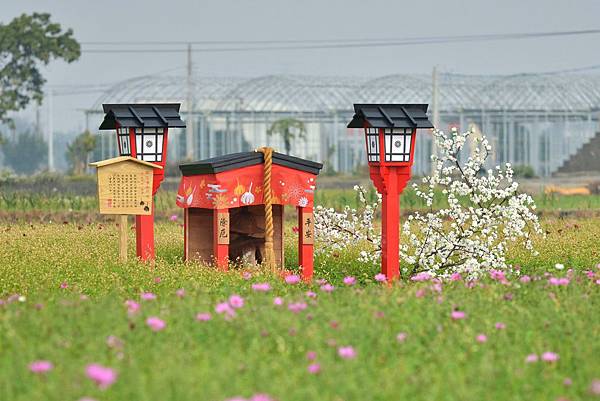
[263,349]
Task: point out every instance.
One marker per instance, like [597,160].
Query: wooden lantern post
[142,133]
[390,137]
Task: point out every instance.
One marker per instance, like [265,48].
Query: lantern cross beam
[136,115]
[412,120]
[162,118]
[388,118]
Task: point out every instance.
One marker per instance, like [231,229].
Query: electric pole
[435,111]
[50,131]
[189,132]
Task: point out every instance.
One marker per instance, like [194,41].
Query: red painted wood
[186,233]
[305,251]
[144,236]
[221,251]
[390,227]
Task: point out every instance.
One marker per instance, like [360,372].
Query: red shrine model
[390,134]
[224,208]
[142,132]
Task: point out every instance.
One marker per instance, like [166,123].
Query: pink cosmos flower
[173,217]
[203,317]
[458,315]
[558,281]
[311,294]
[278,301]
[422,276]
[132,306]
[64,285]
[297,307]
[180,293]
[347,352]
[114,342]
[236,301]
[311,355]
[261,287]
[525,279]
[380,277]
[550,357]
[224,308]
[481,338]
[155,323]
[103,377]
[292,279]
[246,275]
[148,296]
[157,280]
[455,277]
[349,280]
[420,293]
[401,337]
[500,326]
[327,287]
[590,274]
[261,397]
[595,387]
[531,358]
[314,368]
[568,381]
[321,281]
[40,366]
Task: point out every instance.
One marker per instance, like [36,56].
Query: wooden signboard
[125,186]
[308,228]
[223,228]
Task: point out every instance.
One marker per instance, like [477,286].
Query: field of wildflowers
[76,325]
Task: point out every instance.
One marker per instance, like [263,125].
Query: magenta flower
[236,301]
[422,276]
[297,307]
[157,280]
[500,326]
[261,287]
[155,323]
[401,337]
[347,352]
[64,285]
[132,306]
[224,308]
[203,317]
[261,397]
[498,275]
[525,279]
[349,280]
[380,277]
[550,357]
[311,355]
[458,315]
[173,217]
[40,366]
[420,293]
[311,294]
[148,296]
[531,358]
[314,368]
[455,277]
[103,377]
[481,338]
[277,301]
[558,281]
[292,279]
[327,287]
[180,293]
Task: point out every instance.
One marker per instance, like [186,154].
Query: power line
[328,44]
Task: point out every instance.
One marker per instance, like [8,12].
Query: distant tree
[25,153]
[25,43]
[78,152]
[289,129]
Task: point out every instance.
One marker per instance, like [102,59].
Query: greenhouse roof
[319,94]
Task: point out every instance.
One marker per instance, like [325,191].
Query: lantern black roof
[390,116]
[140,115]
[244,159]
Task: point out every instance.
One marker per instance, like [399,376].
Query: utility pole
[435,111]
[50,131]
[189,131]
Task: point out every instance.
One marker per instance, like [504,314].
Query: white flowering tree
[482,212]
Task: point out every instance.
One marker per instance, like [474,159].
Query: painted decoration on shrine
[244,187]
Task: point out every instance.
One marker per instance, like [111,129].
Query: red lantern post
[142,132]
[390,135]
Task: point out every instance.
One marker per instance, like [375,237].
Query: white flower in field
[22,298]
[559,266]
[303,202]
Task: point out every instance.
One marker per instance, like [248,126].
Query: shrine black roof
[139,115]
[244,159]
[390,116]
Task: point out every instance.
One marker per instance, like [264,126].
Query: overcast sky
[187,20]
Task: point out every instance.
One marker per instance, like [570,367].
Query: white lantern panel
[123,141]
[149,144]
[372,138]
[397,145]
